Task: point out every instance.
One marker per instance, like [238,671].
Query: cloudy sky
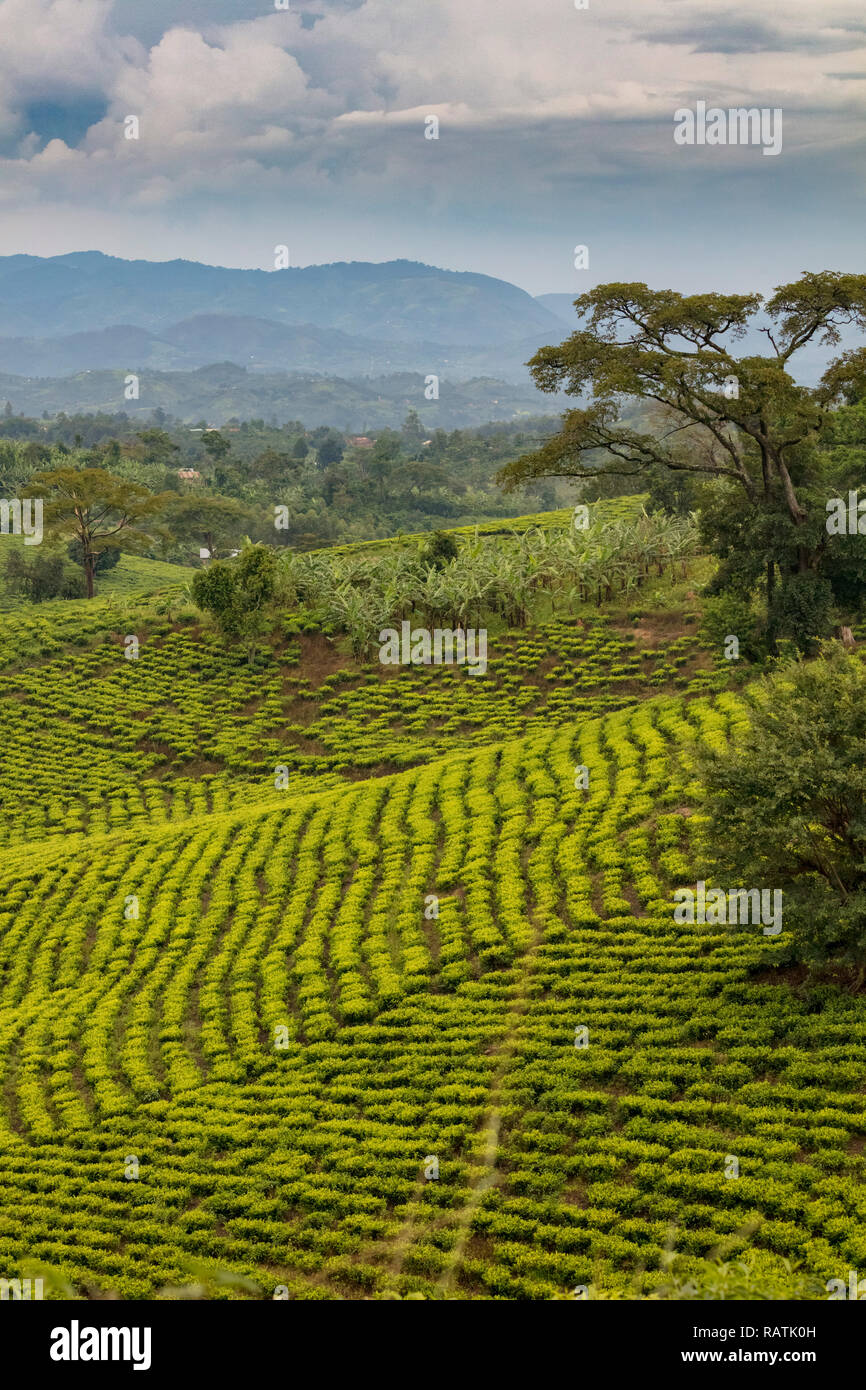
[261,126]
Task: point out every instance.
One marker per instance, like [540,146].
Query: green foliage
[152,1035]
[216,445]
[412,481]
[758,447]
[239,594]
[360,594]
[727,615]
[760,1277]
[439,551]
[330,450]
[671,491]
[104,561]
[802,610]
[215,590]
[213,523]
[41,577]
[240,985]
[786,805]
[188,706]
[97,510]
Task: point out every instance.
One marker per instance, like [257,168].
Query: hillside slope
[326,979]
[224,391]
[279,1043]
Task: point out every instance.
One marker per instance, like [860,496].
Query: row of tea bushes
[189,729]
[243,1037]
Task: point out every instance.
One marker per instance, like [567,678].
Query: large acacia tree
[741,419]
[98,511]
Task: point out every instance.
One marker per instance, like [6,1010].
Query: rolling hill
[259,345]
[67,317]
[417,1021]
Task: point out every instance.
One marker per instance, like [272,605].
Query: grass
[132,575]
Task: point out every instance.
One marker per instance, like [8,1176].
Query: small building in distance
[188,475]
[360,441]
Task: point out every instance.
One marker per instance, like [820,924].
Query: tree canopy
[677,351]
[239,593]
[741,423]
[787,805]
[99,511]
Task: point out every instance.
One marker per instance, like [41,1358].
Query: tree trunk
[798,516]
[771,589]
[88,573]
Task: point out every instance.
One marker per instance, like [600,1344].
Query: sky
[305,127]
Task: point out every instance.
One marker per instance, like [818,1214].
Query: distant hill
[562,305]
[224,390]
[395,301]
[260,345]
[64,316]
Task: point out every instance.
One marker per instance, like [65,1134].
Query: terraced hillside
[420,1020]
[186,728]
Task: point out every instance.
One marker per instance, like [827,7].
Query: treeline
[334,487]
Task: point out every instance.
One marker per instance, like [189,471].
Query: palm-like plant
[490,576]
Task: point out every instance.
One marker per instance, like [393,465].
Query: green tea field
[321,980]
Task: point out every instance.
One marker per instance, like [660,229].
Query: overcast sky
[306,127]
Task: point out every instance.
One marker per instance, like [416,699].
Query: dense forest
[218,486]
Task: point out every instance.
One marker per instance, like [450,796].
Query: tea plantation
[326,980]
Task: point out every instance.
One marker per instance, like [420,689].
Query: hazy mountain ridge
[256,343]
[85,312]
[399,301]
[223,391]
[562,305]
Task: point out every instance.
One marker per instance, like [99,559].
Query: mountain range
[73,326]
[260,345]
[391,301]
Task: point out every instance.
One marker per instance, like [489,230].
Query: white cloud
[531,99]
[290,97]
